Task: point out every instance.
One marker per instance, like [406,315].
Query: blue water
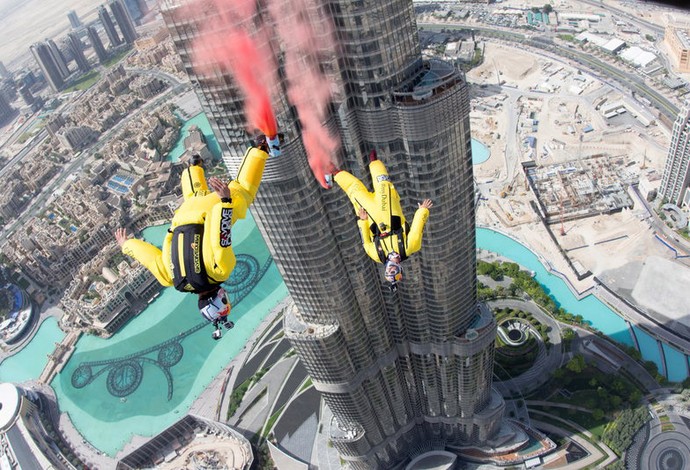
[675,361]
[592,309]
[650,348]
[109,420]
[28,363]
[480,152]
[201,121]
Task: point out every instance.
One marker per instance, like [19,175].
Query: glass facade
[675,180]
[400,371]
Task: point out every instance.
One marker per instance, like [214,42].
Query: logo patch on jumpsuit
[225,227]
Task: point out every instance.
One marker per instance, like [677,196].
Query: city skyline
[46,20]
[551,273]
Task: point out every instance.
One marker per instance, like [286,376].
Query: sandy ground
[560,98]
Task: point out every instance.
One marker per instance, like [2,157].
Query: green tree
[547,8]
[619,433]
[576,364]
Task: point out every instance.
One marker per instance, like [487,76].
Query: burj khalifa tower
[402,372]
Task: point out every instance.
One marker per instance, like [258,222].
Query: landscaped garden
[516,345]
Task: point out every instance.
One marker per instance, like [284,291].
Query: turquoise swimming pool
[480,152]
[148,375]
[202,122]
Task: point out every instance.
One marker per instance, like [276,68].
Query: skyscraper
[74,20]
[26,95]
[58,58]
[6,111]
[44,58]
[4,73]
[675,182]
[402,372]
[124,21]
[26,444]
[134,10]
[97,44]
[109,27]
[77,49]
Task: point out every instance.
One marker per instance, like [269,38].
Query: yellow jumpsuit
[202,206]
[383,207]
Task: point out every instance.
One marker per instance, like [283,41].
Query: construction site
[582,188]
[561,162]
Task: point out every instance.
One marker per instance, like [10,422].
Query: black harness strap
[189,272]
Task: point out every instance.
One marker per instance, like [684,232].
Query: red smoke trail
[224,46]
[310,97]
[309,90]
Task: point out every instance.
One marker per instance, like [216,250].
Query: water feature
[594,311]
[480,152]
[202,122]
[28,363]
[147,375]
[676,362]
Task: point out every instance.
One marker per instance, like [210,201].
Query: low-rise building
[77,137]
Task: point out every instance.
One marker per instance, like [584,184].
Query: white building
[638,56]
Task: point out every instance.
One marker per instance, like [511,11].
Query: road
[547,360]
[626,82]
[75,165]
[631,18]
[38,140]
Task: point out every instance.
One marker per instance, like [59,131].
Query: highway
[38,140]
[629,17]
[603,70]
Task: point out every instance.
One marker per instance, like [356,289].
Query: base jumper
[386,236]
[197,255]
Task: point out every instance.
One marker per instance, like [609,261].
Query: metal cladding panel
[323,354]
[379,46]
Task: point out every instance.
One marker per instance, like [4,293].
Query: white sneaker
[329,180]
[273,145]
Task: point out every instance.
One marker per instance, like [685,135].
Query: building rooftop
[662,292]
[638,56]
[683,37]
[9,405]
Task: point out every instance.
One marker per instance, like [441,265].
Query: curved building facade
[25,440]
